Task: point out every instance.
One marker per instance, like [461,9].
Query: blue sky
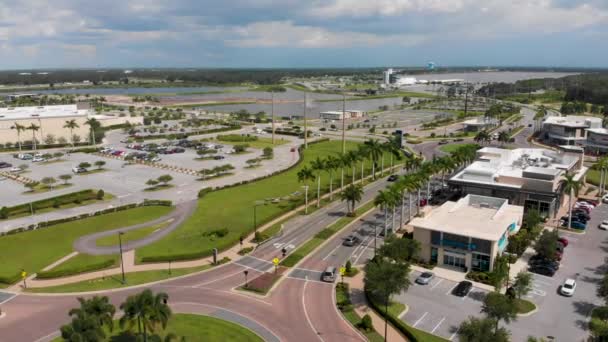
[307,33]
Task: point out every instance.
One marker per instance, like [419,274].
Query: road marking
[360,247]
[307,270]
[437,326]
[10,298]
[332,252]
[256,258]
[437,283]
[306,312]
[123,196]
[53,334]
[220,279]
[309,280]
[363,250]
[450,290]
[454,334]
[420,319]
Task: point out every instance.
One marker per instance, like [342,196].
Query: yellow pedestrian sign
[275,261]
[23,274]
[342,270]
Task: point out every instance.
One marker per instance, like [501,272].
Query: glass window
[480,262]
[434,255]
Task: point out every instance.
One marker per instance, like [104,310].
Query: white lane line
[47,337]
[359,248]
[251,256]
[454,334]
[123,196]
[309,280]
[420,319]
[9,299]
[437,283]
[332,252]
[307,270]
[450,290]
[437,326]
[306,312]
[366,246]
[220,279]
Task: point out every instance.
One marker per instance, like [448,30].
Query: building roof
[574,121]
[479,122]
[480,217]
[537,163]
[41,112]
[598,130]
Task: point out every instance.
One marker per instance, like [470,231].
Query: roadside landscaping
[263,283]
[451,148]
[252,140]
[345,306]
[33,250]
[310,245]
[281,192]
[131,235]
[81,263]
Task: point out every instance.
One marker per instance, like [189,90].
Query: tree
[49,139]
[399,249]
[83,328]
[331,164]
[599,324]
[240,148]
[546,245]
[75,139]
[385,199]
[481,330]
[499,307]
[31,185]
[19,128]
[318,165]
[352,194]
[503,137]
[84,165]
[384,279]
[99,164]
[98,307]
[268,152]
[500,272]
[152,182]
[602,290]
[374,150]
[48,181]
[522,284]
[482,136]
[34,128]
[253,162]
[147,310]
[571,186]
[93,126]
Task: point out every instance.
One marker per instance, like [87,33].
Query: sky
[307,33]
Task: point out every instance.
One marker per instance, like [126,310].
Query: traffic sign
[342,270]
[276,261]
[23,274]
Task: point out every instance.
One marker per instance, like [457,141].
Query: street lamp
[122,264]
[246,272]
[305,199]
[256,204]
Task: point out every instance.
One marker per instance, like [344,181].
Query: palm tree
[384,200]
[318,165]
[304,176]
[540,114]
[83,327]
[145,309]
[602,165]
[351,195]
[503,137]
[71,124]
[362,154]
[98,307]
[393,149]
[159,311]
[345,162]
[34,128]
[352,157]
[482,136]
[19,128]
[331,164]
[571,186]
[93,125]
[374,149]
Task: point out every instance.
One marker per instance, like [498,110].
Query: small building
[597,141]
[479,124]
[339,115]
[568,130]
[467,234]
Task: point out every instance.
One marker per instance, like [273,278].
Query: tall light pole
[246,272]
[305,122]
[305,199]
[343,123]
[122,264]
[272,112]
[256,204]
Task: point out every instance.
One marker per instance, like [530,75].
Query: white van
[329,275]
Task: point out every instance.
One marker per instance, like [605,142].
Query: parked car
[25,156]
[591,201]
[329,275]
[443,142]
[575,225]
[424,278]
[392,178]
[568,287]
[605,199]
[603,225]
[563,241]
[351,240]
[542,270]
[79,170]
[575,218]
[14,170]
[4,165]
[38,159]
[544,263]
[462,289]
[219,157]
[581,213]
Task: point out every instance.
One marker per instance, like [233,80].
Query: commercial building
[527,177]
[568,130]
[339,115]
[387,76]
[479,124]
[468,234]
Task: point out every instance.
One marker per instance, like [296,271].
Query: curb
[529,313]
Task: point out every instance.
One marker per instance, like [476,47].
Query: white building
[597,140]
[569,130]
[339,115]
[468,234]
[479,124]
[387,76]
[530,177]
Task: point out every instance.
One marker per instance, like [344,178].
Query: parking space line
[454,334]
[452,289]
[420,319]
[437,283]
[437,326]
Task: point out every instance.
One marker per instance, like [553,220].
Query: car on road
[542,270]
[462,289]
[38,159]
[329,275]
[392,178]
[424,278]
[350,241]
[5,165]
[568,287]
[443,142]
[25,156]
[79,170]
[15,170]
[563,241]
[603,225]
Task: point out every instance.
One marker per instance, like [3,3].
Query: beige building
[569,130]
[468,234]
[339,115]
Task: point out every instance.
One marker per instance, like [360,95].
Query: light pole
[305,199]
[122,264]
[256,204]
[246,272]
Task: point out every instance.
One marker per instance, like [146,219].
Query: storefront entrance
[454,260]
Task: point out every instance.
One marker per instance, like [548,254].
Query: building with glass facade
[468,234]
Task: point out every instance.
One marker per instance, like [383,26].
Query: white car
[568,287]
[38,159]
[603,225]
[605,199]
[14,170]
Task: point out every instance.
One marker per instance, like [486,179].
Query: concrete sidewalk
[362,308]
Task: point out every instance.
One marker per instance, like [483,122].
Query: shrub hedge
[187,134]
[10,280]
[57,201]
[76,270]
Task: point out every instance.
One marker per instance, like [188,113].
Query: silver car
[425,278]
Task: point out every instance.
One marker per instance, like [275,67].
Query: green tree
[546,245]
[598,326]
[99,164]
[19,128]
[384,200]
[522,284]
[499,307]
[98,307]
[318,165]
[268,153]
[481,330]
[84,165]
[374,149]
[83,328]
[34,128]
[503,137]
[482,136]
[94,125]
[602,290]
[164,179]
[571,187]
[383,279]
[331,164]
[146,310]
[31,185]
[48,181]
[399,249]
[305,175]
[352,194]
[500,272]
[152,182]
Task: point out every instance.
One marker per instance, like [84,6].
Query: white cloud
[358,8]
[286,34]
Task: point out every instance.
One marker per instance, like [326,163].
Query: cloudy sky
[306,33]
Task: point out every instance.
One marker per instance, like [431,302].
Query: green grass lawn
[106,197]
[89,263]
[524,306]
[33,250]
[131,235]
[451,148]
[232,208]
[193,328]
[114,281]
[593,177]
[40,188]
[261,142]
[349,313]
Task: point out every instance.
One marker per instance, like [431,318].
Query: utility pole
[122,264]
[305,122]
[466,100]
[272,111]
[343,123]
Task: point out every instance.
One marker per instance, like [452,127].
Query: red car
[423,202]
[563,241]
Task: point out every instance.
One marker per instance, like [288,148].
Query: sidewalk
[359,301]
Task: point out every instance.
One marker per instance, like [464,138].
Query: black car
[443,142]
[544,263]
[580,213]
[392,178]
[218,157]
[462,289]
[5,165]
[542,270]
[577,218]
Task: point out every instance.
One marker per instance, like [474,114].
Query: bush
[9,280]
[480,277]
[55,202]
[366,323]
[100,194]
[245,250]
[202,192]
[76,270]
[3,213]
